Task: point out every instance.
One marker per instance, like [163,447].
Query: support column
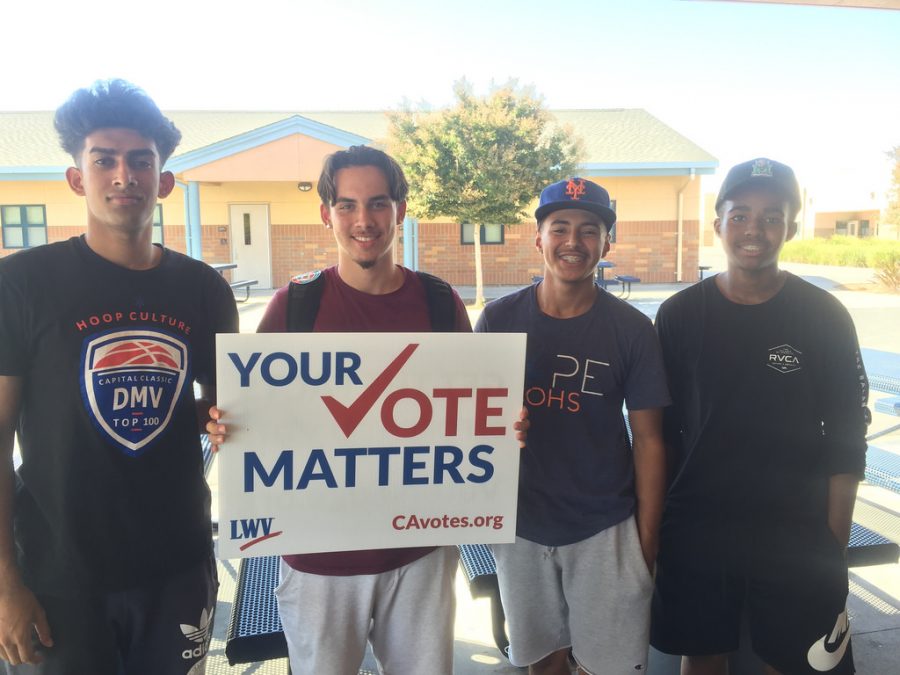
[195,233]
[411,243]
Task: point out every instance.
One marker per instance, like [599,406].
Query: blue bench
[245,284]
[208,454]
[477,563]
[254,630]
[870,548]
[884,383]
[883,468]
[889,406]
[626,280]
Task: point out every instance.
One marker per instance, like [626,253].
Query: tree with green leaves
[483,160]
[892,211]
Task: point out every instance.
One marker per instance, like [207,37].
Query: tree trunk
[479,277]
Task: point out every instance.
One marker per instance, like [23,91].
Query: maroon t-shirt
[344,310]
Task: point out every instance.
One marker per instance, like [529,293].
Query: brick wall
[54,233]
[645,249]
[512,263]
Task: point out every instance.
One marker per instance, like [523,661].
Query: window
[490,234]
[840,227]
[23,226]
[612,231]
[158,225]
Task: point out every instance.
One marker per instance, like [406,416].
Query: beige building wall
[647,209]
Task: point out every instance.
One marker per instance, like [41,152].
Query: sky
[815,87]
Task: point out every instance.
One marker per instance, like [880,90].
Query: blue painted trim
[256,137]
[624,173]
[648,168]
[408,242]
[712,164]
[26,173]
[186,199]
[193,224]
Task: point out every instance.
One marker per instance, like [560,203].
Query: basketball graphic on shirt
[137,353]
[131,381]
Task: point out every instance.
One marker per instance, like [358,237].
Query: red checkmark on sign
[349,417]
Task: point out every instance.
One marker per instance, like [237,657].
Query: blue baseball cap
[575,193]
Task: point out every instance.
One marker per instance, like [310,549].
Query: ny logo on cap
[762,167]
[575,190]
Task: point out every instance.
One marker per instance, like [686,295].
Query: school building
[863,223]
[246,194]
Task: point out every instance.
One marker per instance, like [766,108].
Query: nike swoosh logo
[832,647]
[825,654]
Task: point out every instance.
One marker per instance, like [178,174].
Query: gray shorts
[406,615]
[593,596]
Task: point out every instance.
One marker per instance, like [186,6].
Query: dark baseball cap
[575,193]
[761,172]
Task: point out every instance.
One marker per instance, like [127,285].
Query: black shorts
[790,580]
[163,627]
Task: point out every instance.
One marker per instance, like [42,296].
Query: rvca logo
[784,359]
[130,382]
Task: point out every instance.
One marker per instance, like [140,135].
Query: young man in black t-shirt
[102,337]
[767,430]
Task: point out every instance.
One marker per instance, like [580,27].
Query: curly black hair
[113,104]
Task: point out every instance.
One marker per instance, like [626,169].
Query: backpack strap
[304,296]
[441,303]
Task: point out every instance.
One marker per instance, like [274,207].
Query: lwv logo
[253,530]
[784,359]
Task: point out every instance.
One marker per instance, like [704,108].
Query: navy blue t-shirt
[576,477]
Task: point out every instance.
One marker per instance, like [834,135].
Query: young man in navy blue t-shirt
[578,578]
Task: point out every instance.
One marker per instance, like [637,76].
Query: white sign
[347,441]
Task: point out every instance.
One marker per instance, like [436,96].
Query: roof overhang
[648,168]
[32,173]
[257,137]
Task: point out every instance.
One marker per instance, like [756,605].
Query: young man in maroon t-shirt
[399,600]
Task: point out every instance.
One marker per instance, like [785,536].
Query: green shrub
[888,264]
[843,252]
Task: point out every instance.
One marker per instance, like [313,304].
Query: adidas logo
[198,634]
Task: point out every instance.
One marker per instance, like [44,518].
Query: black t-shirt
[768,403]
[111,490]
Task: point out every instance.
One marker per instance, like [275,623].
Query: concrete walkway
[874,604]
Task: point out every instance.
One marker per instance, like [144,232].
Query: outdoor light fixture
[304,186]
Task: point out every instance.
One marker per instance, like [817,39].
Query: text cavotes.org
[412,522]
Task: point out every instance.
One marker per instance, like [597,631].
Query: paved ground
[875,600]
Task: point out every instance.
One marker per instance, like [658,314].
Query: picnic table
[602,266]
[235,285]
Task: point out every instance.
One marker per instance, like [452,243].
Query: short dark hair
[361,155]
[109,104]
